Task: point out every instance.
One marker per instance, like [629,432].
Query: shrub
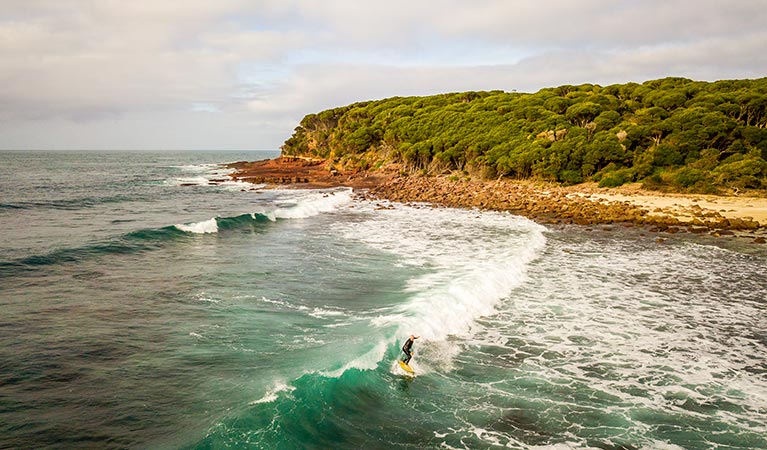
[687,176]
[615,179]
[570,177]
[744,172]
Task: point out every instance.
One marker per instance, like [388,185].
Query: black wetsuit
[406,348]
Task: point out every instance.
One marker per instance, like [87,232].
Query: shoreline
[546,203]
[584,205]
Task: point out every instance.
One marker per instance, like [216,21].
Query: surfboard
[406,368]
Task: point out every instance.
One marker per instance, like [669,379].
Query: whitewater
[149,302]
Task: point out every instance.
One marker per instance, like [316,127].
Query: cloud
[601,24]
[243,72]
[115,57]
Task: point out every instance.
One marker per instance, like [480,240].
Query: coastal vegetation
[670,134]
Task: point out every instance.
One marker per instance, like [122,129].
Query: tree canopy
[671,133]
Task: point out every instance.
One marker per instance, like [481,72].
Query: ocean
[148,303]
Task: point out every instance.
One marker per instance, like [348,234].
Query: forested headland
[671,134]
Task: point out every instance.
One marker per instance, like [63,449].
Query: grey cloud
[601,23]
[112,68]
[116,57]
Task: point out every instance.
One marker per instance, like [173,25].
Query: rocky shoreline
[542,202]
[555,204]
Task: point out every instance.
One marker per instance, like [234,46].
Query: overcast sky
[239,74]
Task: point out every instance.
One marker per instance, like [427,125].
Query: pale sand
[685,207]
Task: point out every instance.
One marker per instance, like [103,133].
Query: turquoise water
[146,306]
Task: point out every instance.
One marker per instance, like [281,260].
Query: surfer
[407,348]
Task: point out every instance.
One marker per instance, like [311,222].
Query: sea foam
[273,393]
[465,262]
[311,203]
[209,175]
[204,227]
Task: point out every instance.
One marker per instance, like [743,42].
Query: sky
[240,74]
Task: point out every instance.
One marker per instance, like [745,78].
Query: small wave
[321,313]
[204,227]
[157,234]
[199,175]
[209,175]
[216,224]
[67,255]
[367,361]
[205,298]
[316,312]
[273,393]
[133,242]
[67,204]
[12,206]
[189,181]
[197,167]
[236,185]
[304,205]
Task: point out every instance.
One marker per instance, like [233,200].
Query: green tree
[582,113]
[672,132]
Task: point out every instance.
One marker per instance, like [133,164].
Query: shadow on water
[403,383]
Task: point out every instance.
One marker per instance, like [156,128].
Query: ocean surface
[145,305]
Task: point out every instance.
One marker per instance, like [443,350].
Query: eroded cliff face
[305,171]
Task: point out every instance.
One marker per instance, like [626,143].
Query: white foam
[304,204]
[206,226]
[238,185]
[273,393]
[571,446]
[322,313]
[197,167]
[657,328]
[210,175]
[203,297]
[268,214]
[470,260]
[316,312]
[367,361]
[193,181]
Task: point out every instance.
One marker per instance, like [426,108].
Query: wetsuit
[406,348]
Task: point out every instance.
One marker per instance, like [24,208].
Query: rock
[759,240]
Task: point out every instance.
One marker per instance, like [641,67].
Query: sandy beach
[686,207]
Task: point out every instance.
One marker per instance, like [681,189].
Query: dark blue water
[149,303]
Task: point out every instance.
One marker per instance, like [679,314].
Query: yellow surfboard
[406,368]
